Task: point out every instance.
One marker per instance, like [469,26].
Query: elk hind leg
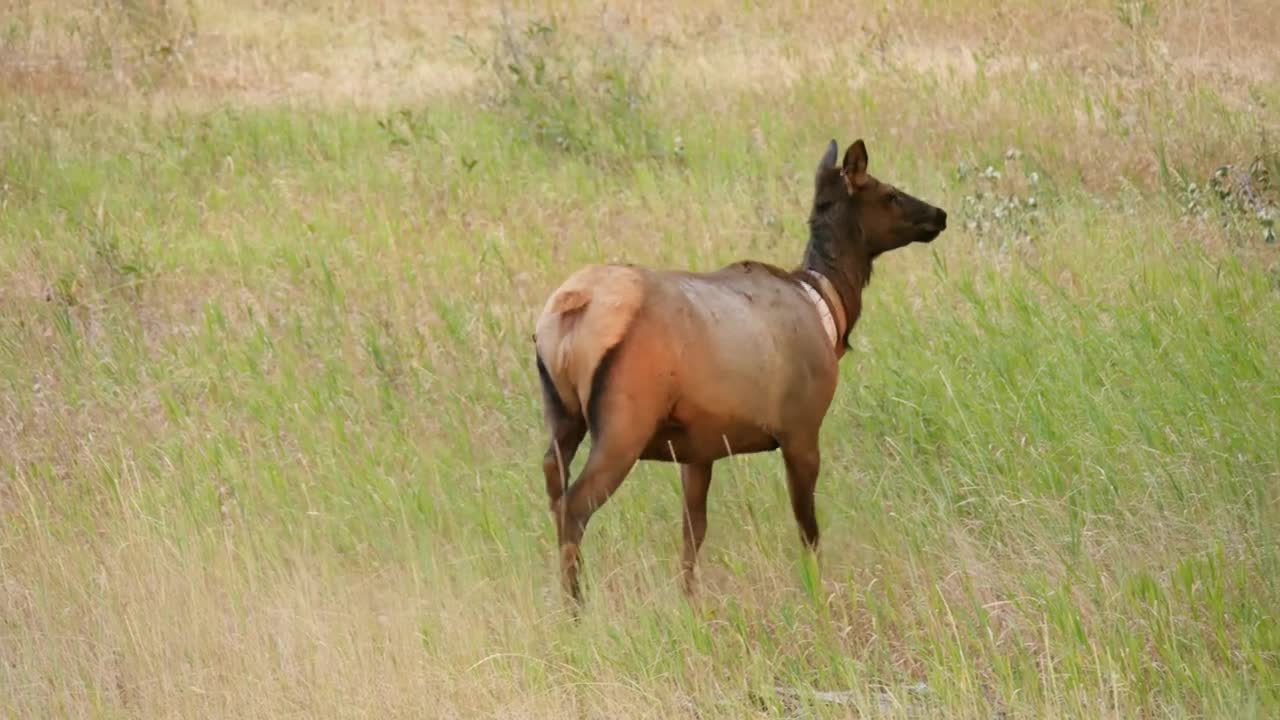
[696,479]
[621,421]
[567,431]
[566,436]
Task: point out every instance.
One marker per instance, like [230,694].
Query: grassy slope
[270,432]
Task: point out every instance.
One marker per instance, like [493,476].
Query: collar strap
[825,300]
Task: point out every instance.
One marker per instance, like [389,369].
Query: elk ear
[855,166]
[828,161]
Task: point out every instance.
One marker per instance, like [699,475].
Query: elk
[688,367]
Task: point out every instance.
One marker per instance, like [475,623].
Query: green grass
[271,435]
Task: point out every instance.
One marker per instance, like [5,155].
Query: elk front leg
[802,460]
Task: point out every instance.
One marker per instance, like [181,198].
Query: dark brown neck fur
[843,261]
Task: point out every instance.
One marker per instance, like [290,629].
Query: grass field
[270,432]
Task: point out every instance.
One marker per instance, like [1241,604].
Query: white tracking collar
[824,311]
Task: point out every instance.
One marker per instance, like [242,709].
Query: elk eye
[823,206]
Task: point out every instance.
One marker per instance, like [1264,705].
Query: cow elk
[689,367]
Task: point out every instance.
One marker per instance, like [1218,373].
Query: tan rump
[582,320]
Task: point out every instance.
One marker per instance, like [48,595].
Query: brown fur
[691,367]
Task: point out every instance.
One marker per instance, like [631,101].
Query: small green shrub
[1242,198]
[1004,202]
[571,94]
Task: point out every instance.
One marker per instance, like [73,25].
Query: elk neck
[846,267]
